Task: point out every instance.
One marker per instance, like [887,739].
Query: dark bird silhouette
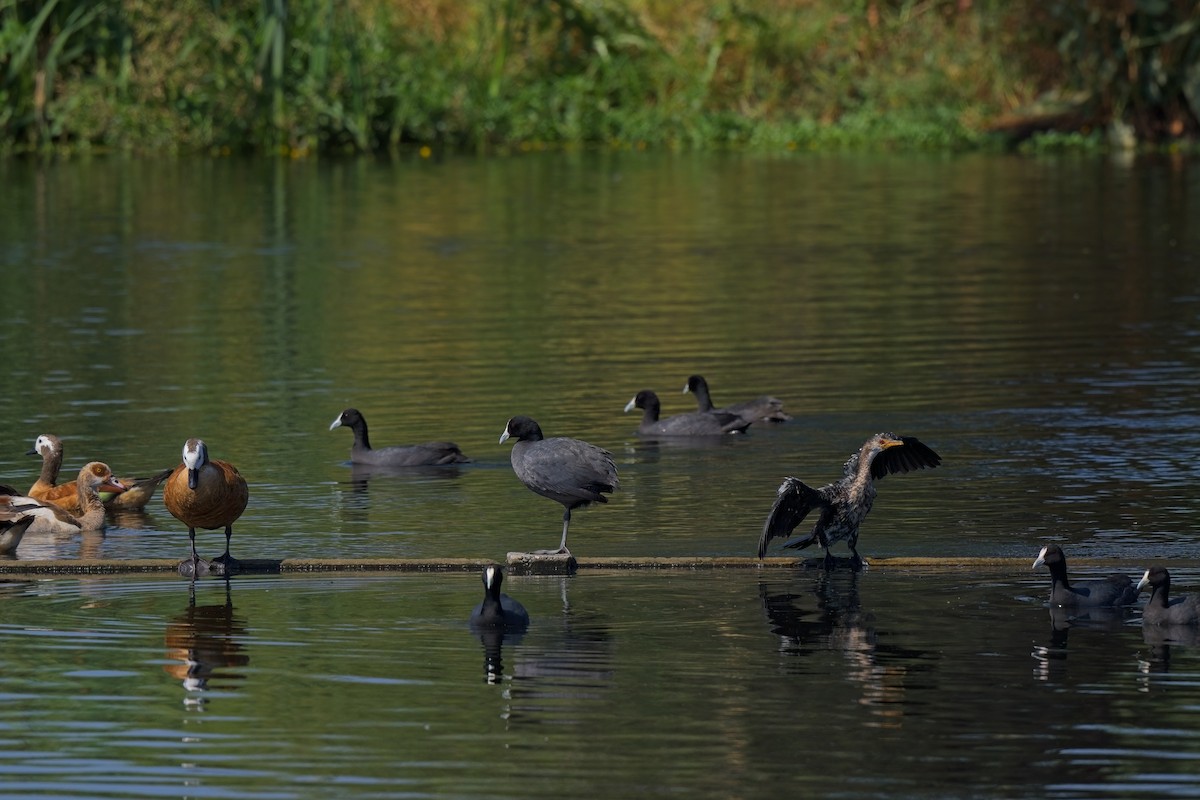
[568,471]
[413,455]
[761,409]
[844,504]
[1161,610]
[1115,590]
[497,610]
[209,494]
[712,423]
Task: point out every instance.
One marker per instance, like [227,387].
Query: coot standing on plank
[497,610]
[1163,611]
[416,455]
[844,504]
[715,423]
[760,409]
[1115,590]
[209,494]
[568,471]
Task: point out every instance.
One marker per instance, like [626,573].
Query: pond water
[1035,321]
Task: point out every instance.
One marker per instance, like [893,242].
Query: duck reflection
[838,623]
[132,518]
[203,641]
[46,546]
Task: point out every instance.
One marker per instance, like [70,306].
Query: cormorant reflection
[838,623]
[204,640]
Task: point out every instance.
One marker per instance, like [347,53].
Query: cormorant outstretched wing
[913,454]
[792,504]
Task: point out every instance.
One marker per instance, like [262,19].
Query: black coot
[1115,590]
[1163,611]
[498,611]
[712,423]
[567,471]
[416,455]
[761,409]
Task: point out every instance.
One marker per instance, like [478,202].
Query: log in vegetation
[304,76]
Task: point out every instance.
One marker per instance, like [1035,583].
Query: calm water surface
[1037,322]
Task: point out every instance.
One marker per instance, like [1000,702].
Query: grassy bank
[304,76]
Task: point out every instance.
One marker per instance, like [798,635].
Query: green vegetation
[302,76]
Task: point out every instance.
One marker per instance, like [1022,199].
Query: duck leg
[225,564]
[194,566]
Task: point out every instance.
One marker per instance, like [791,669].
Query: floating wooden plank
[537,564]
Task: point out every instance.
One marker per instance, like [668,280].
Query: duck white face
[44,445]
[195,456]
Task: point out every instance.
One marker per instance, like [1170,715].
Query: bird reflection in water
[202,643]
[839,624]
[564,668]
[1050,658]
[1160,640]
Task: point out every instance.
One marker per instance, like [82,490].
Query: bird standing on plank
[844,504]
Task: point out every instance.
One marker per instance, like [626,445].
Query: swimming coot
[713,423]
[1115,590]
[1163,611]
[497,610]
[761,409]
[415,455]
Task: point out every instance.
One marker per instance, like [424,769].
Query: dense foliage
[365,75]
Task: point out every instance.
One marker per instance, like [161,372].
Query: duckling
[49,447]
[209,494]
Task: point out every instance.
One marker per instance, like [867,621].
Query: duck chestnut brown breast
[206,493]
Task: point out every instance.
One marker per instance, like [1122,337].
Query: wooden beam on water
[530,564]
